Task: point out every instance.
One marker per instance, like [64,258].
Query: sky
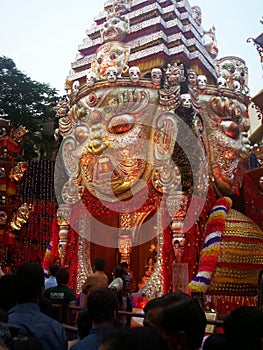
[42,37]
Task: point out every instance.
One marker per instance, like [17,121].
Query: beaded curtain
[37,188]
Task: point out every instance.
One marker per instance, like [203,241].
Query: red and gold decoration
[21,216]
[125,247]
[156,129]
[155,148]
[18,171]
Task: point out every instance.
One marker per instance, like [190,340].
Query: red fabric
[253,199]
[148,196]
[194,238]
[223,304]
[10,144]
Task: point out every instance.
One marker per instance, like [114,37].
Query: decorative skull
[75,86]
[236,86]
[192,81]
[111,74]
[221,82]
[134,73]
[156,75]
[3,217]
[91,79]
[201,81]
[186,100]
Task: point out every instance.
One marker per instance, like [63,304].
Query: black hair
[215,342]
[124,264]
[99,264]
[118,272]
[139,338]
[7,292]
[84,323]
[183,313]
[102,304]
[29,282]
[152,304]
[62,276]
[53,269]
[162,301]
[243,328]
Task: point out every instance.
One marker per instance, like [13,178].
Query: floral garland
[210,251]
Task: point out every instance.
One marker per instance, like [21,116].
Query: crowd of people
[175,321]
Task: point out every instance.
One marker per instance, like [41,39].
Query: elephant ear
[215,227]
[240,260]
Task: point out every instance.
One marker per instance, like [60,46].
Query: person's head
[29,282]
[99,264]
[184,321]
[53,269]
[124,266]
[102,305]
[62,276]
[117,272]
[215,342]
[152,312]
[179,319]
[84,323]
[7,292]
[243,328]
[136,338]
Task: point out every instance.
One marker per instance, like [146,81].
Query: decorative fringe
[210,251]
[223,304]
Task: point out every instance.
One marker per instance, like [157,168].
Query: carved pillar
[177,205]
[63,220]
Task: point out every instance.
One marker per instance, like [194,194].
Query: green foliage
[28,103]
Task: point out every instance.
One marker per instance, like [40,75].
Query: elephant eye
[120,124]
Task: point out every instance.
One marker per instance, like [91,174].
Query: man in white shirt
[51,281]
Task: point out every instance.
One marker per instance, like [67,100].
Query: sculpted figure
[236,86]
[192,78]
[186,101]
[233,69]
[174,74]
[114,148]
[156,75]
[115,28]
[111,74]
[201,81]
[112,54]
[169,146]
[221,83]
[134,74]
[210,43]
[197,14]
[91,79]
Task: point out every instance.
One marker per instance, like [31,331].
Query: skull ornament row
[223,84]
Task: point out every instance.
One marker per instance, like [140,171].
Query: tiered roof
[160,32]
